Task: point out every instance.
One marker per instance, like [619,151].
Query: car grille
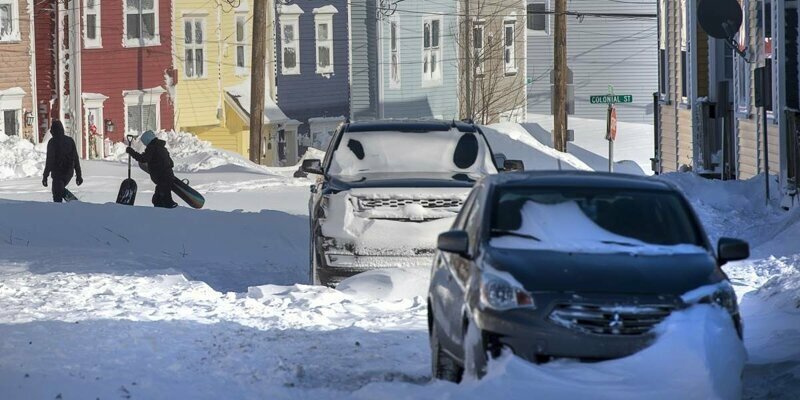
[367,204]
[610,320]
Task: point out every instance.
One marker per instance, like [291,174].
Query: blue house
[312,66]
[404,59]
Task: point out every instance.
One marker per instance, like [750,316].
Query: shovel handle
[130,139]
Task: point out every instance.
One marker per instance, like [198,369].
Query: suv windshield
[408,152]
[576,219]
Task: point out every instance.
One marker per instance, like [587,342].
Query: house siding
[600,52]
[16,58]
[364,61]
[45,33]
[310,94]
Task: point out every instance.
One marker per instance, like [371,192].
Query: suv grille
[610,320]
[367,204]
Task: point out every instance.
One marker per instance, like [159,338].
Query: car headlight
[724,297]
[324,205]
[500,294]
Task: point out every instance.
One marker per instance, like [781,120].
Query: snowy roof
[329,9]
[239,96]
[291,9]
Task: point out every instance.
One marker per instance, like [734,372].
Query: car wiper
[504,232]
[620,243]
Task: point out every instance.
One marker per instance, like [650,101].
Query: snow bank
[516,143]
[19,158]
[388,284]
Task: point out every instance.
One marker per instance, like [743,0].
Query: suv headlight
[500,294]
[721,294]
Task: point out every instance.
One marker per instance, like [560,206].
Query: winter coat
[159,163]
[62,155]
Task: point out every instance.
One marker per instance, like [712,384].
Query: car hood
[411,179]
[613,273]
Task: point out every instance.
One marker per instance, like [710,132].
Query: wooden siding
[16,58]
[747,148]
[601,52]
[685,138]
[45,31]
[667,138]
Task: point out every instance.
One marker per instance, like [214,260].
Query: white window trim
[428,80]
[14,36]
[324,15]
[547,22]
[479,67]
[11,100]
[741,68]
[90,101]
[290,15]
[510,68]
[240,70]
[395,83]
[143,98]
[97,42]
[684,30]
[141,42]
[194,18]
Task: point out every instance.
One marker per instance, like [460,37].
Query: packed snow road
[104,301]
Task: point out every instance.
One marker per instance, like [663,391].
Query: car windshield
[409,152]
[582,219]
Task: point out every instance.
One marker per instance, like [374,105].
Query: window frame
[97,42]
[17,114]
[14,35]
[141,98]
[140,41]
[194,19]
[290,19]
[684,56]
[663,51]
[321,19]
[395,80]
[240,70]
[510,63]
[11,100]
[432,77]
[546,31]
[478,60]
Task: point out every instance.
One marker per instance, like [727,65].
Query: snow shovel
[127,191]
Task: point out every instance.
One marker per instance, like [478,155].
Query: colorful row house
[17,79]
[708,117]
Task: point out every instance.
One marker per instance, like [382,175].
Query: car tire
[443,366]
[476,358]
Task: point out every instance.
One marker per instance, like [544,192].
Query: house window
[684,52]
[194,46]
[9,20]
[91,21]
[142,110]
[324,25]
[10,122]
[478,39]
[290,45]
[537,20]
[663,61]
[509,58]
[431,50]
[742,67]
[241,44]
[141,22]
[394,50]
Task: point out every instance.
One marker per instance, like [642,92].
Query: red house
[104,68]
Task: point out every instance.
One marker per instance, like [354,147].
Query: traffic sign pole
[610,139]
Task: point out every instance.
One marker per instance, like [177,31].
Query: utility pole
[560,66]
[469,40]
[257,73]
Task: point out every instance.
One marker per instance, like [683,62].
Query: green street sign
[611,99]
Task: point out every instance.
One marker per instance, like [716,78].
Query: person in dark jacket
[62,161]
[160,165]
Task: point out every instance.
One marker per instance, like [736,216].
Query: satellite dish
[720,19]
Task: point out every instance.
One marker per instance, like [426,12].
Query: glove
[130,150]
[79,180]
[44,181]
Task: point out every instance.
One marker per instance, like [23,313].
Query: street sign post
[611,118]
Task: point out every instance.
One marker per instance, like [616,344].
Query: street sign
[611,99]
[612,125]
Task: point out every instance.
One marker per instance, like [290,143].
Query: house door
[282,146]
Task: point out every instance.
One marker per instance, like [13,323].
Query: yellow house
[212,56]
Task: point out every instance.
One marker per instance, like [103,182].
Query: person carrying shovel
[159,165]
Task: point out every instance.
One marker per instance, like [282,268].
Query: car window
[462,215]
[331,146]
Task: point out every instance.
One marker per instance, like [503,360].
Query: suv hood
[397,180]
[613,273]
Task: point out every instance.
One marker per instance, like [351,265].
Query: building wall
[310,94]
[45,32]
[364,60]
[600,52]
[115,68]
[16,60]
[413,98]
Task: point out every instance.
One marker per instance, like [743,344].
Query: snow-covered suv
[386,189]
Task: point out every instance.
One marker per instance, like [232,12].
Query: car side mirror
[454,242]
[312,167]
[513,165]
[729,249]
[500,159]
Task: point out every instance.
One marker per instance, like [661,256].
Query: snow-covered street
[99,300]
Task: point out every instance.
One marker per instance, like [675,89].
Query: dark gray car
[568,264]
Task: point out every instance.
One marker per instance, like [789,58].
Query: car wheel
[443,366]
[475,353]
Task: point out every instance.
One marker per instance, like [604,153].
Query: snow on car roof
[410,126]
[579,179]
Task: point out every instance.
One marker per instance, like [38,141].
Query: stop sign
[612,124]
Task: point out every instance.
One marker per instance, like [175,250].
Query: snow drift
[19,158]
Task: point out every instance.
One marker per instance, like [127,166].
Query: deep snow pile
[517,143]
[19,158]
